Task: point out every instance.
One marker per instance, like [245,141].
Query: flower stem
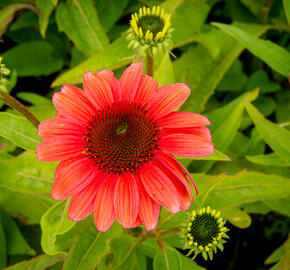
[15,104]
[149,64]
[160,243]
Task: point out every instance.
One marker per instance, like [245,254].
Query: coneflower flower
[204,233]
[150,29]
[115,141]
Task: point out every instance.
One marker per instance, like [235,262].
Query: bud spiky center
[121,138]
[151,23]
[204,229]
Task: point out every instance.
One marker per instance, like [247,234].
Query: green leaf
[268,160]
[164,73]
[223,133]
[109,11]
[29,209]
[283,110]
[235,79]
[286,4]
[217,156]
[256,208]
[280,255]
[33,98]
[124,250]
[18,130]
[260,79]
[26,174]
[254,5]
[281,205]
[245,187]
[79,20]
[3,246]
[53,223]
[7,14]
[40,262]
[27,19]
[187,20]
[275,136]
[237,217]
[113,57]
[172,260]
[89,246]
[266,105]
[188,264]
[205,74]
[33,58]
[16,244]
[272,54]
[45,7]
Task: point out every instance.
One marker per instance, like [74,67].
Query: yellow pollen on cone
[162,13]
[206,248]
[157,11]
[158,36]
[200,247]
[140,32]
[147,35]
[208,210]
[144,11]
[153,10]
[217,214]
[213,212]
[140,12]
[195,244]
[135,27]
[148,11]
[190,242]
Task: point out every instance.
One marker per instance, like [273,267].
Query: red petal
[60,148]
[183,195]
[182,120]
[146,90]
[57,127]
[159,186]
[137,223]
[82,204]
[104,215]
[126,200]
[184,144]
[168,98]
[188,175]
[172,165]
[129,81]
[97,89]
[149,209]
[72,176]
[73,105]
[113,83]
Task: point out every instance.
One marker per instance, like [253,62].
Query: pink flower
[115,141]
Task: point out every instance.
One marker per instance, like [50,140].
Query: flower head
[115,141]
[150,28]
[204,232]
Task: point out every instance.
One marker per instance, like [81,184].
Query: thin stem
[15,104]
[149,65]
[160,243]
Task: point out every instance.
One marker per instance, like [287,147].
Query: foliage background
[237,70]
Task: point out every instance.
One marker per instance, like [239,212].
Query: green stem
[149,65]
[15,104]
[162,247]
